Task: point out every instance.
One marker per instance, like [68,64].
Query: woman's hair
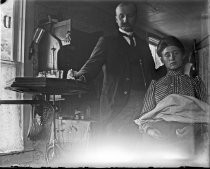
[169,41]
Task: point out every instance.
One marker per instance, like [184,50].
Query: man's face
[172,57]
[126,17]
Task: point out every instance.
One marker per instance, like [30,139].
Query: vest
[135,69]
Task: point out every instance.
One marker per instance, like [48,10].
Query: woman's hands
[154,133]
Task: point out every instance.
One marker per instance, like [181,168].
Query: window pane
[156,58]
[11,137]
[6,30]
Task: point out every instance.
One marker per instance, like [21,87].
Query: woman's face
[172,57]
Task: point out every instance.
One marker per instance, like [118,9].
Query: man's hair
[127,4]
[169,41]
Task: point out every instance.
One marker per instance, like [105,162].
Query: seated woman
[176,101]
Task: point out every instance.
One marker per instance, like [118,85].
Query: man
[127,66]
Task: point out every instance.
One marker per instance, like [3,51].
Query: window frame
[153,41]
[17,49]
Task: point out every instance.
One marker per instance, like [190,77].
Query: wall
[204,56]
[204,49]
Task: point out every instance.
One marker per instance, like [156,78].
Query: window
[153,47]
[11,65]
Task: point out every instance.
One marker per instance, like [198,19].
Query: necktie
[131,41]
[130,38]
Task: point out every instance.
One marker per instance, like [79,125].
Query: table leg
[53,149]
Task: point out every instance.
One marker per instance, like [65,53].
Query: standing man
[127,66]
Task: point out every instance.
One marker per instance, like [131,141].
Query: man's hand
[71,74]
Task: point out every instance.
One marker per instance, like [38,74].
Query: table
[46,86]
[50,86]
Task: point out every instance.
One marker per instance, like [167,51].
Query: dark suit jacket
[109,55]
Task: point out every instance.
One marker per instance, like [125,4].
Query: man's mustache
[125,25]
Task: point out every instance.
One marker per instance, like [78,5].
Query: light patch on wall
[10,121]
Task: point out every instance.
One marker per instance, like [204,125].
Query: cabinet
[73,133]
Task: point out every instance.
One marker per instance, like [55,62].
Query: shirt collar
[179,71]
[127,33]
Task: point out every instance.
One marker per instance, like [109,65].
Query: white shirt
[127,38]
